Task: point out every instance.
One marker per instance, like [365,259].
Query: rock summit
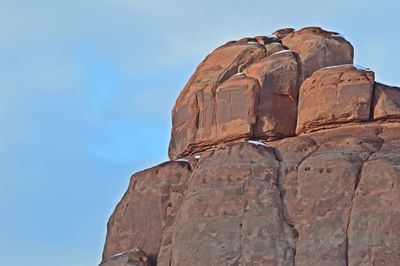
[283,152]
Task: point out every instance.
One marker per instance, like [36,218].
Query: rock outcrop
[155,194]
[282,153]
[335,95]
[267,110]
[386,102]
[318,48]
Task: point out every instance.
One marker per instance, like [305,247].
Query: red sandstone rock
[329,196]
[323,198]
[333,96]
[193,116]
[374,226]
[241,222]
[319,175]
[273,48]
[134,257]
[236,107]
[386,102]
[281,33]
[147,208]
[318,48]
[265,40]
[279,72]
[278,76]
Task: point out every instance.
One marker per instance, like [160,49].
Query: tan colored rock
[278,76]
[318,48]
[333,96]
[147,208]
[134,257]
[385,102]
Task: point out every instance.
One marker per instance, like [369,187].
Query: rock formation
[282,153]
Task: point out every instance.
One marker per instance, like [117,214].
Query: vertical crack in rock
[300,79]
[371,105]
[182,192]
[245,196]
[230,70]
[282,205]
[257,108]
[282,198]
[357,182]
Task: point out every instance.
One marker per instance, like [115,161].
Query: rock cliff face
[282,153]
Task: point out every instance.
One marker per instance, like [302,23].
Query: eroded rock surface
[335,95]
[319,48]
[242,221]
[386,102]
[147,209]
[134,257]
[279,63]
[374,228]
[278,76]
[194,122]
[288,155]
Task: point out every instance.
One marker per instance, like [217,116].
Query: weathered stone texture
[386,102]
[239,223]
[147,209]
[318,48]
[288,155]
[334,95]
[133,257]
[200,119]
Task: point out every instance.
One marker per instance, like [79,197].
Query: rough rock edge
[316,125]
[137,254]
[283,207]
[203,148]
[261,41]
[189,163]
[279,178]
[358,179]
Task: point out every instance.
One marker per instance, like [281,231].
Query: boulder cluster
[283,152]
[273,87]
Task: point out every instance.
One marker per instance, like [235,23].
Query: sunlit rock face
[282,153]
[249,88]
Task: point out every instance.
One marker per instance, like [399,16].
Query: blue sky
[86,89]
